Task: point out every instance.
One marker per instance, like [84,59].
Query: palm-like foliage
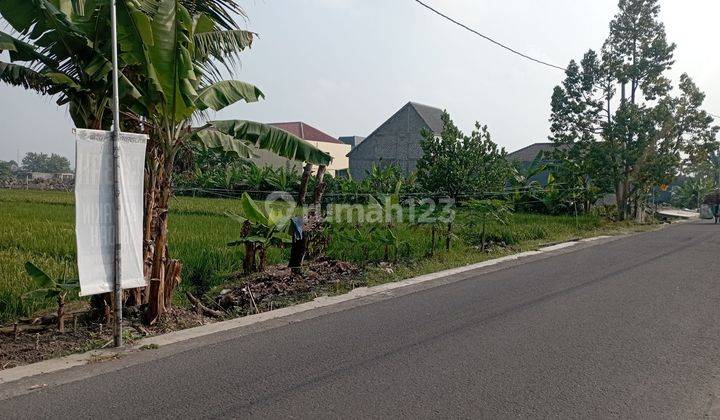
[53,55]
[524,185]
[47,287]
[170,51]
[261,228]
[169,54]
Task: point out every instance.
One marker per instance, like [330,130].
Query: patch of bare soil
[35,343]
[279,285]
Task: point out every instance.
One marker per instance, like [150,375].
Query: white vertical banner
[94,207]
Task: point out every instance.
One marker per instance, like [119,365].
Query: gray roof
[431,115]
[529,153]
[351,140]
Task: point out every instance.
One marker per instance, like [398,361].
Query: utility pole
[117,287]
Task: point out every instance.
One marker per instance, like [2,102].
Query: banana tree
[62,48]
[51,53]
[283,179]
[47,287]
[524,185]
[358,236]
[174,91]
[261,229]
[388,208]
[170,55]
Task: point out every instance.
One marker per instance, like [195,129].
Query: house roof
[351,140]
[305,131]
[431,116]
[529,153]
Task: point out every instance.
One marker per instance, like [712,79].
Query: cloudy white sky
[345,66]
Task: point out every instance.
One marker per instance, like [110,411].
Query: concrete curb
[62,363]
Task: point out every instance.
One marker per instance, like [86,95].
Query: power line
[462,25]
[512,50]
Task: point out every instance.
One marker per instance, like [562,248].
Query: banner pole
[117,287]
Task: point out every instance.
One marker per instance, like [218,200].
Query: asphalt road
[627,328]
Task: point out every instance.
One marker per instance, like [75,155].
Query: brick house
[396,141]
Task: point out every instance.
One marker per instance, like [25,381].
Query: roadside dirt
[84,335]
[277,287]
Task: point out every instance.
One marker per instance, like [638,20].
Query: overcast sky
[345,66]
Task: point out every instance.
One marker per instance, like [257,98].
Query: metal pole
[117,289]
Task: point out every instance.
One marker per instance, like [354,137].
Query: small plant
[260,229]
[483,211]
[525,189]
[255,177]
[432,217]
[388,207]
[384,180]
[50,288]
[359,236]
[283,179]
[152,346]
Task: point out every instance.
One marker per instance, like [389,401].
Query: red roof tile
[305,132]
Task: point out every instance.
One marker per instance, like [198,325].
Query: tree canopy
[456,164]
[42,162]
[614,120]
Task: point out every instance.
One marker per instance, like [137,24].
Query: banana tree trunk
[307,171]
[319,186]
[249,258]
[300,245]
[262,257]
[61,313]
[163,272]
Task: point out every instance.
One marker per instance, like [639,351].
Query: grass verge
[39,227]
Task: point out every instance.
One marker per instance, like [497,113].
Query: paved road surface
[627,328]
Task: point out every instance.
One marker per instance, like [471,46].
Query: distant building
[397,140]
[325,142]
[353,141]
[524,158]
[528,153]
[62,176]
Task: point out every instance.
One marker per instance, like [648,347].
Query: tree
[42,162]
[637,145]
[170,53]
[636,55]
[58,164]
[5,170]
[702,148]
[691,192]
[577,164]
[260,229]
[35,162]
[455,164]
